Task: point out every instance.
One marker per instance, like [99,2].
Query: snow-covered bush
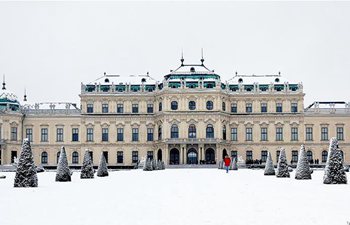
[26,171]
[87,170]
[269,169]
[102,170]
[334,171]
[282,166]
[63,172]
[303,168]
[148,165]
[221,165]
[233,165]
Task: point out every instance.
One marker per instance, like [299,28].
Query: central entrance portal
[192,156]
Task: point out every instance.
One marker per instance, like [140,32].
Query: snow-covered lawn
[175,196]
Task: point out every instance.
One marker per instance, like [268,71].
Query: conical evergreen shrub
[63,172]
[334,171]
[269,169]
[87,170]
[148,165]
[282,166]
[303,171]
[26,170]
[102,170]
[234,165]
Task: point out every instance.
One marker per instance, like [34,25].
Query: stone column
[185,154]
[166,155]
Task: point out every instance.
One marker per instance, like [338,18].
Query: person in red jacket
[227,162]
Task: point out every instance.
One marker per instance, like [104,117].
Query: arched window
[224,132]
[294,156]
[324,156]
[192,105]
[223,106]
[309,156]
[263,155]
[174,105]
[44,158]
[174,133]
[159,132]
[192,131]
[210,105]
[58,156]
[210,131]
[160,107]
[75,157]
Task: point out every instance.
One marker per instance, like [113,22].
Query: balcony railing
[191,140]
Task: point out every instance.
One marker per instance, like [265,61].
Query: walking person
[227,162]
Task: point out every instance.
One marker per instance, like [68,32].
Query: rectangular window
[104,134]
[149,134]
[263,134]
[75,134]
[279,107]
[294,156]
[105,108]
[324,133]
[234,107]
[309,135]
[135,108]
[249,155]
[150,155]
[29,134]
[90,108]
[90,134]
[13,133]
[249,107]
[294,107]
[340,133]
[44,135]
[120,108]
[234,134]
[135,157]
[120,134]
[294,132]
[263,107]
[279,134]
[105,154]
[135,134]
[149,108]
[249,134]
[59,134]
[234,154]
[120,157]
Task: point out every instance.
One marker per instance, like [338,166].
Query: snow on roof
[5,94]
[192,69]
[107,79]
[261,79]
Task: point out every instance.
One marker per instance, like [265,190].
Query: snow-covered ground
[175,196]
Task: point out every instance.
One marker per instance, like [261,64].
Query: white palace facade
[191,117]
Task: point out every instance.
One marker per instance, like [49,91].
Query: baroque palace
[191,117]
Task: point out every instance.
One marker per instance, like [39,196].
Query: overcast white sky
[51,47]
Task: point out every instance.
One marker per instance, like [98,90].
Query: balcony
[191,140]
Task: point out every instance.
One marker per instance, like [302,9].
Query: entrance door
[174,156]
[159,155]
[224,153]
[192,156]
[210,156]
[13,156]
